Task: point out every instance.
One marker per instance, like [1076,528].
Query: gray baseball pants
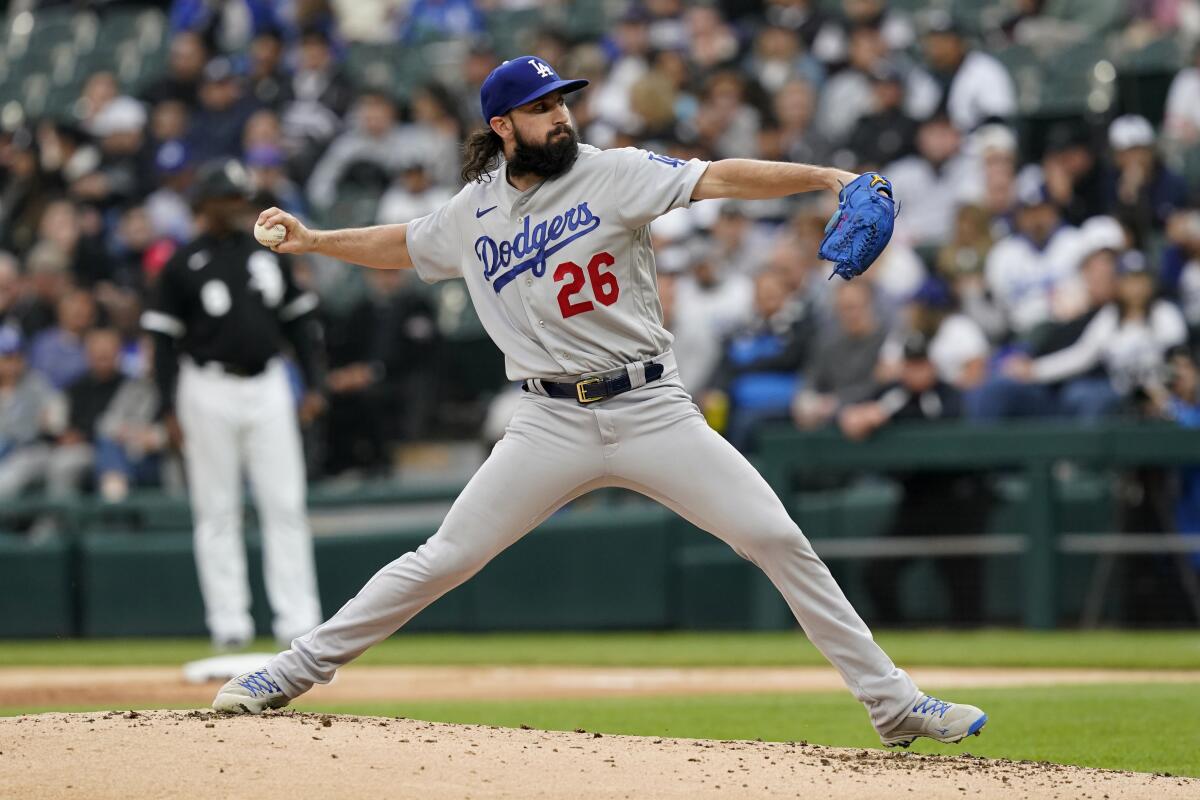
[652,440]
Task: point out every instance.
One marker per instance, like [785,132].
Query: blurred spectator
[217,124]
[1181,265]
[121,175]
[1181,118]
[87,261]
[758,374]
[318,95]
[712,43]
[369,153]
[49,281]
[1074,176]
[1026,269]
[842,367]
[778,57]
[25,189]
[412,195]
[628,51]
[1098,273]
[27,408]
[738,245]
[806,17]
[381,358]
[272,186]
[960,261]
[696,346]
[266,78]
[710,304]
[68,463]
[995,146]
[58,353]
[1144,193]
[167,206]
[834,42]
[972,86]
[929,184]
[1129,338]
[667,24]
[933,503]
[956,345]
[726,123]
[98,91]
[847,97]
[188,55]
[1181,403]
[887,133]
[794,106]
[429,20]
[10,290]
[138,248]
[129,442]
[434,134]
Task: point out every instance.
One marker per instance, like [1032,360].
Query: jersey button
[529,281]
[542,322]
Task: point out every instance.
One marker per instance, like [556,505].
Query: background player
[555,250]
[226,305]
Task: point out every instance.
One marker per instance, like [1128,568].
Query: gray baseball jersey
[562,274]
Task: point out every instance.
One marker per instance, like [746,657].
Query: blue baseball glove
[861,227]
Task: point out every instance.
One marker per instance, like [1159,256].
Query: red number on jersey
[568,308]
[604,284]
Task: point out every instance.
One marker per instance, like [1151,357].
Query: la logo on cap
[543,70]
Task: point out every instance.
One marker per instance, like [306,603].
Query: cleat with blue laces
[936,719]
[251,693]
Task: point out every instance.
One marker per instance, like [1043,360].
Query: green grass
[1145,728]
[994,648]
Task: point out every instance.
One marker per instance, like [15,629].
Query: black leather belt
[237,370]
[598,387]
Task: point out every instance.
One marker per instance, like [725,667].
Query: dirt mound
[287,755]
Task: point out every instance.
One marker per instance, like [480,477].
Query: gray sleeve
[653,184]
[435,244]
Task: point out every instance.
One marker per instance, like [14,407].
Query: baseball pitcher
[551,238]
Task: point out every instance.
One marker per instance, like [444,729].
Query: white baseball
[270,236]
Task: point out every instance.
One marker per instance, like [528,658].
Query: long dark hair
[481,154]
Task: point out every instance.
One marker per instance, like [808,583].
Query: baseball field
[1095,714]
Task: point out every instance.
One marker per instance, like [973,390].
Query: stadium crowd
[1049,270]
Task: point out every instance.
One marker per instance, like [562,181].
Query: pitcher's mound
[286,755]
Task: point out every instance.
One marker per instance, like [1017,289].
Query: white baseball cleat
[936,719]
[250,693]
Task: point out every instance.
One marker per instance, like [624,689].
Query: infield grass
[982,648]
[1144,728]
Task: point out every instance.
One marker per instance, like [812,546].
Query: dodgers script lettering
[532,245]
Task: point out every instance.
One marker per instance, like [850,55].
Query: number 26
[604,284]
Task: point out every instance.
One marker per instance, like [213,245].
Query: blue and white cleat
[250,693]
[936,719]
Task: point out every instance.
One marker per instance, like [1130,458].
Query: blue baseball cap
[519,81]
[10,340]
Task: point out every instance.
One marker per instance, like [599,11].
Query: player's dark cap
[519,81]
[916,347]
[221,179]
[933,293]
[1133,262]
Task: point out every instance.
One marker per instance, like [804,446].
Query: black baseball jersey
[226,299]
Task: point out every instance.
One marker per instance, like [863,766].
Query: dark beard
[544,160]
